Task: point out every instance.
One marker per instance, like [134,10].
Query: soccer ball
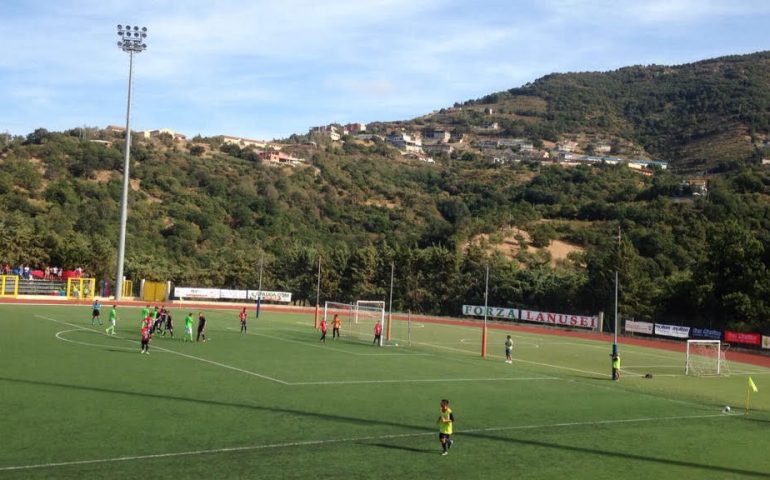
[726,409]
[396,344]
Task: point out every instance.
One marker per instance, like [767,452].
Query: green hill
[204,213]
[693,115]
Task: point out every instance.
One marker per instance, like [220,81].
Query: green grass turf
[277,404]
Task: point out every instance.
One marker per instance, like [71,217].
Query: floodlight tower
[131,41]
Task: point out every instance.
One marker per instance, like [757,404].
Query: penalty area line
[193,357]
[247,448]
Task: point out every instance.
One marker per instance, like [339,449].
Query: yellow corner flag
[752,386]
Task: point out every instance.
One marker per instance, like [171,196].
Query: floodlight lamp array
[132,38]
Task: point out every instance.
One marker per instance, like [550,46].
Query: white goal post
[706,357]
[357,319]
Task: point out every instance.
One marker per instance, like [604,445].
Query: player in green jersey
[188,325]
[113,319]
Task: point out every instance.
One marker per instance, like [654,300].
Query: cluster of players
[159,321]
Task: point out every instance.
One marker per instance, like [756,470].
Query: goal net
[706,357]
[358,319]
[368,313]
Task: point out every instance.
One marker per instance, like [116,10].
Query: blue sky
[267,69]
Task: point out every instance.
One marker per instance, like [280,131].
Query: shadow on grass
[404,448]
[421,430]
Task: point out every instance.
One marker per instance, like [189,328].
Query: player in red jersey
[377,333]
[146,340]
[323,330]
[242,318]
[147,322]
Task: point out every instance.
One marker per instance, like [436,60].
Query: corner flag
[752,386]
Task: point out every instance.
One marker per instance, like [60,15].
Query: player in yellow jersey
[445,422]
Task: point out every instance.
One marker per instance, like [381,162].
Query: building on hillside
[489,111]
[511,142]
[640,169]
[115,129]
[369,136]
[566,146]
[354,128]
[603,148]
[243,142]
[277,157]
[650,163]
[439,148]
[697,185]
[329,131]
[161,131]
[405,142]
[436,135]
[487,127]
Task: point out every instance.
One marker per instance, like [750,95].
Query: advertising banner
[639,327]
[188,292]
[492,312]
[744,338]
[706,333]
[672,331]
[270,296]
[224,294]
[233,294]
[560,319]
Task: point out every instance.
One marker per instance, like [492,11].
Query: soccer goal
[706,357]
[358,319]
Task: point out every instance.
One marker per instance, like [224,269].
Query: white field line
[558,367]
[59,336]
[306,443]
[427,380]
[633,371]
[193,357]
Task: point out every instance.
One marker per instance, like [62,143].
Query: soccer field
[275,403]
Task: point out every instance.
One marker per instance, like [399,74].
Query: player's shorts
[145,341]
[96,313]
[508,351]
[188,330]
[112,322]
[442,436]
